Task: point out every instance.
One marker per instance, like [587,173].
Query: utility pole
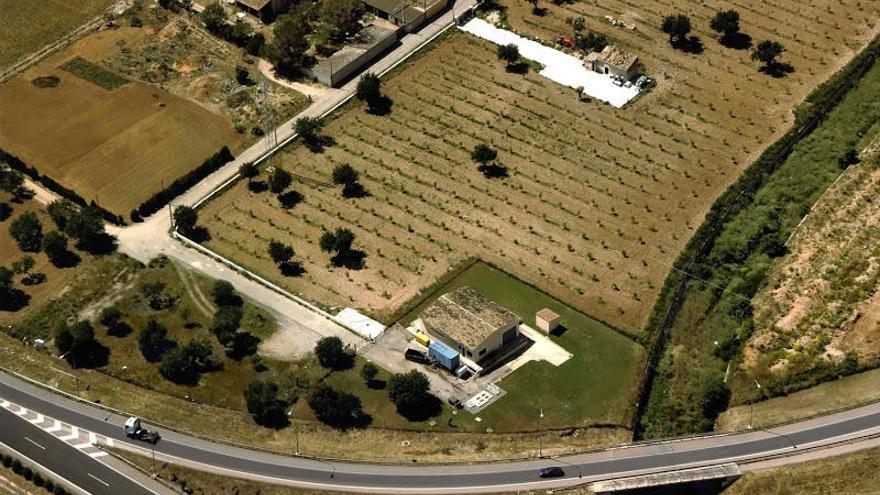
[752,404]
[541,433]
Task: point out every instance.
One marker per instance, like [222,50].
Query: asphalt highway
[451,478]
[64,460]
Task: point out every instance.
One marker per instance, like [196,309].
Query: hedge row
[179,186]
[34,477]
[808,116]
[16,163]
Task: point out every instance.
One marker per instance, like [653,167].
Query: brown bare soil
[599,200]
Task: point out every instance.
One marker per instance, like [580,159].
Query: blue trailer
[447,357]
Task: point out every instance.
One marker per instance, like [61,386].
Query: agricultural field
[124,112]
[599,200]
[821,302]
[28,26]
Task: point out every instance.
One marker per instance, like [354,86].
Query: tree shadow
[777,69]
[427,408]
[493,170]
[291,269]
[354,190]
[67,259]
[290,199]
[5,211]
[737,41]
[518,68]
[13,300]
[120,329]
[539,11]
[317,143]
[102,243]
[199,234]
[257,186]
[691,44]
[91,355]
[381,106]
[377,384]
[352,259]
[559,331]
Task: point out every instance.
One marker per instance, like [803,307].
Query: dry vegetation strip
[600,200]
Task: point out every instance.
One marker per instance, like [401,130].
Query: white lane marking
[35,443]
[74,433]
[4,403]
[39,419]
[56,427]
[21,411]
[95,455]
[109,441]
[99,480]
[92,438]
[81,446]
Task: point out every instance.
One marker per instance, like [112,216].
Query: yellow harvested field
[599,200]
[115,147]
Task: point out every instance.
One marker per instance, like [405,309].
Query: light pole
[75,377]
[541,433]
[752,404]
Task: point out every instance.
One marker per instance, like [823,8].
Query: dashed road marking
[99,480]
[83,445]
[21,411]
[93,439]
[95,455]
[38,420]
[35,443]
[56,427]
[74,433]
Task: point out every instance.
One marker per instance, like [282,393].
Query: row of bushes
[34,477]
[179,186]
[16,163]
[712,255]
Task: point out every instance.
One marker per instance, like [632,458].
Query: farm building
[547,320]
[614,61]
[469,322]
[264,9]
[368,43]
[404,13]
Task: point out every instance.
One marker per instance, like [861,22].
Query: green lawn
[596,386]
[94,73]
[27,26]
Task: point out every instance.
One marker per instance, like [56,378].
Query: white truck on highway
[133,429]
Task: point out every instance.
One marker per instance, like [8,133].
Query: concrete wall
[343,72]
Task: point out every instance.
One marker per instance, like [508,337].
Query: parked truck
[133,429]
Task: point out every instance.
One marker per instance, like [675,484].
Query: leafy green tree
[369,89]
[12,181]
[338,242]
[24,266]
[226,322]
[248,170]
[27,232]
[111,318]
[483,154]
[224,294]
[184,365]
[61,211]
[242,75]
[243,344]
[261,398]
[6,282]
[87,227]
[725,22]
[509,53]
[337,409]
[308,128]
[153,341]
[5,211]
[290,42]
[157,295]
[345,174]
[55,247]
[279,180]
[369,372]
[341,16]
[214,17]
[280,252]
[332,354]
[79,347]
[409,393]
[677,27]
[767,51]
[185,218]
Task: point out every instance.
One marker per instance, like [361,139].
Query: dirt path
[195,292]
[313,91]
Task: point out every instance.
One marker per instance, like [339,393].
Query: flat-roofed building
[613,60]
[471,323]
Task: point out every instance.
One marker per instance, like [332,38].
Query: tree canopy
[27,230]
[153,341]
[483,154]
[214,17]
[410,394]
[341,16]
[279,180]
[226,322]
[261,398]
[55,247]
[509,53]
[725,22]
[331,354]
[184,365]
[77,343]
[185,218]
[767,51]
[338,409]
[12,181]
[676,26]
[290,42]
[224,294]
[248,170]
